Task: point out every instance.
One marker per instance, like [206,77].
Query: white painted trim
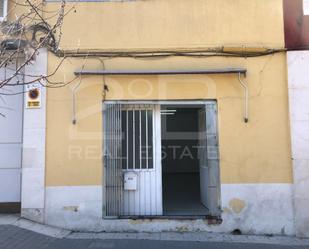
[159,102]
[33,159]
[158,159]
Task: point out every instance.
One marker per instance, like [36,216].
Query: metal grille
[128,145]
[137,140]
[112,160]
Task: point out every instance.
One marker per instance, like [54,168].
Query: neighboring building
[145,85]
[22,130]
[297,42]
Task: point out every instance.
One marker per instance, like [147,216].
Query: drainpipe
[74,90]
[246,93]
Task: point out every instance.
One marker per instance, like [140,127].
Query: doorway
[161,159]
[181,151]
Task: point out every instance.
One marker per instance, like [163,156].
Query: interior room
[180,161]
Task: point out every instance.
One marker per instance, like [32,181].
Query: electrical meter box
[130,181]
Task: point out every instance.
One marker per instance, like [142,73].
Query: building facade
[177,118]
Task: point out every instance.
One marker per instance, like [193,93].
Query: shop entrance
[161,159]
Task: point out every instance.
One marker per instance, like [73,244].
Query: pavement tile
[13,237]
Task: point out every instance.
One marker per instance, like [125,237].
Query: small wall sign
[33,96]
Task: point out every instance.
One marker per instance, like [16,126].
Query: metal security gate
[11,127]
[113,195]
[130,135]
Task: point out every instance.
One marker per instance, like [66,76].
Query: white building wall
[33,160]
[298,84]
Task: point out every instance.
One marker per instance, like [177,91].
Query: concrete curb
[42,229]
[16,220]
[197,237]
[59,233]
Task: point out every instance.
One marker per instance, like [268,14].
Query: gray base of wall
[302,217]
[34,214]
[266,209]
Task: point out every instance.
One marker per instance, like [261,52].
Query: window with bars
[137,139]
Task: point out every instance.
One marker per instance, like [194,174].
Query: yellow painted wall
[257,152]
[154,24]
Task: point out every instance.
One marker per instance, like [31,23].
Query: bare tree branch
[21,40]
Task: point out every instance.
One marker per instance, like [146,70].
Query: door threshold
[210,219]
[152,217]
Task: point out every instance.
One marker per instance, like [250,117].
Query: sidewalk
[13,224]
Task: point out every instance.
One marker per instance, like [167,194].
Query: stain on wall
[237,205]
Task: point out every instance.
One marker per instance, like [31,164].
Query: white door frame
[157,117]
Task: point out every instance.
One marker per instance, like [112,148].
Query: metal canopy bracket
[238,71]
[162,72]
